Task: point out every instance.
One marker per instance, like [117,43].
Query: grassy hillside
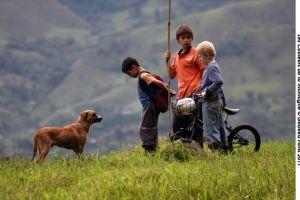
[172,173]
[47,78]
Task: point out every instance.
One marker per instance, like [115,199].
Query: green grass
[171,173]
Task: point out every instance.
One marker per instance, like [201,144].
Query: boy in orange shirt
[188,70]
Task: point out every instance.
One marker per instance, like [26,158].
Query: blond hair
[206,48]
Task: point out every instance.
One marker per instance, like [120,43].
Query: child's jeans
[213,124]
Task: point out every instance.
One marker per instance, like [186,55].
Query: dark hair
[127,64]
[184,30]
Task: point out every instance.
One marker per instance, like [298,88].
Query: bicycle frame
[232,135]
[227,126]
[198,124]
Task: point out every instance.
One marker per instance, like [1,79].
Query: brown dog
[72,136]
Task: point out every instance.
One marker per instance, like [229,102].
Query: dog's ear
[83,116]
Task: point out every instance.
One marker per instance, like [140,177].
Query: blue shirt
[212,81]
[145,96]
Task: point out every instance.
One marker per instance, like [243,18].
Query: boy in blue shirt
[214,101]
[149,119]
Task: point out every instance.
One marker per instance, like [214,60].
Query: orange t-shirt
[188,69]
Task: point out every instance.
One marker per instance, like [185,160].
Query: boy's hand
[172,92]
[203,93]
[167,55]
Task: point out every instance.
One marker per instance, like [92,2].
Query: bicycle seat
[231,111]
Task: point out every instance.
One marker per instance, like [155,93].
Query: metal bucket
[185,106]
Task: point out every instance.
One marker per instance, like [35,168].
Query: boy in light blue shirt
[214,101]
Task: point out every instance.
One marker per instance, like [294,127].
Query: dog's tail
[34,148]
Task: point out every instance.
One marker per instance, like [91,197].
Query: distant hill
[48,80]
[33,18]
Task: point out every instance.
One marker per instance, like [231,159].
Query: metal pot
[185,106]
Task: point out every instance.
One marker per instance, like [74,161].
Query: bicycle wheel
[244,136]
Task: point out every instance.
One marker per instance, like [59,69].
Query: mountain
[37,17]
[64,56]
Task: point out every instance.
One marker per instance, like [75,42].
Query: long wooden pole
[168,67]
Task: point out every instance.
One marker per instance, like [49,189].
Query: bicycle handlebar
[197,97]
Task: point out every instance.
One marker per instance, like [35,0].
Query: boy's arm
[213,87]
[217,82]
[163,86]
[151,80]
[201,66]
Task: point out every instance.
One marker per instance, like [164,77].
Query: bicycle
[244,135]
